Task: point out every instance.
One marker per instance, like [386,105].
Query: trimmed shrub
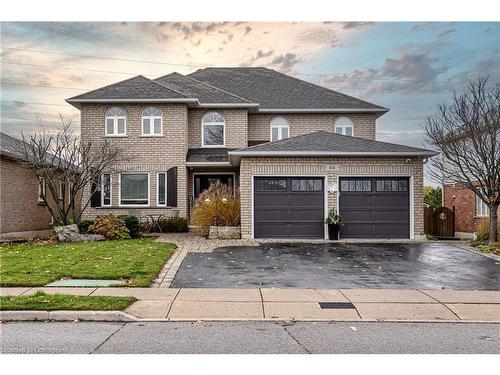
[111,227]
[216,206]
[84,225]
[132,223]
[174,225]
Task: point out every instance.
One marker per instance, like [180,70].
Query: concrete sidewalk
[281,304]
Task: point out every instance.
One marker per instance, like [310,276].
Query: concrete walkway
[280,304]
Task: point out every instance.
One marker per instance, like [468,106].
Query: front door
[203,181]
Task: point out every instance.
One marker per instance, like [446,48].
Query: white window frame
[115,123]
[61,190]
[110,190]
[120,190]
[211,124]
[344,127]
[70,189]
[280,128]
[482,210]
[158,189]
[42,189]
[151,123]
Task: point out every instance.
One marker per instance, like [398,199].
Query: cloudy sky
[407,67]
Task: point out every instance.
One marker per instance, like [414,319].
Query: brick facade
[19,199]
[464,201]
[317,167]
[235,129]
[259,124]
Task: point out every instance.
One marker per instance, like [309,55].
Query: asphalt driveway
[391,265]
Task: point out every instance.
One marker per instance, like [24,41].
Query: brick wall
[142,154]
[316,166]
[259,124]
[235,129]
[19,199]
[464,201]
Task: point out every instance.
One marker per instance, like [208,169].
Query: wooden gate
[439,222]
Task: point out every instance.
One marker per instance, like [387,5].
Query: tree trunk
[493,223]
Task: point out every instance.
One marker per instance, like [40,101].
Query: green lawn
[51,302]
[137,261]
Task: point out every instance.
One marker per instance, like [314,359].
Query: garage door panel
[297,211]
[380,211]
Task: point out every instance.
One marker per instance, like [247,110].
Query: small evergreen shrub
[111,227]
[174,225]
[132,223]
[84,225]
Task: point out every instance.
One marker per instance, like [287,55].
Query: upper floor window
[213,130]
[481,207]
[115,121]
[151,121]
[344,125]
[279,128]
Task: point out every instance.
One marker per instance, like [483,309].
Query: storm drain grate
[336,305]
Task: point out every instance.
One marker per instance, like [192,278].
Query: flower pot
[333,231]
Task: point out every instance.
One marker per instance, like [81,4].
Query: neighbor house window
[115,121]
[279,128]
[61,190]
[161,187]
[134,189]
[106,190]
[70,193]
[213,127]
[481,208]
[344,125]
[41,189]
[151,121]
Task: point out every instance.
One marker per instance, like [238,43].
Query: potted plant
[334,221]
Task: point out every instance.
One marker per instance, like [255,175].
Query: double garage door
[294,207]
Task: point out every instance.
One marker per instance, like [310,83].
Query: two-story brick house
[293,148]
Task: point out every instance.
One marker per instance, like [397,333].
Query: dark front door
[375,207]
[288,207]
[203,181]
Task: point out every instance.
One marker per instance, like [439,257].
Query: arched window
[152,121]
[116,121]
[344,125]
[279,128]
[213,130]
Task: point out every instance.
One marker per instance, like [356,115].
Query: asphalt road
[249,337]
[433,265]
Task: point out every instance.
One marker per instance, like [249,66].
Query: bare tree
[467,134]
[63,157]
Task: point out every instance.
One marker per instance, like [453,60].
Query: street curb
[469,248]
[122,317]
[66,315]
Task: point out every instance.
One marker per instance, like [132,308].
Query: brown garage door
[288,207]
[375,207]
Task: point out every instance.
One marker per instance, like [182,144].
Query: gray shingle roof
[196,89]
[8,146]
[274,90]
[207,155]
[328,143]
[138,87]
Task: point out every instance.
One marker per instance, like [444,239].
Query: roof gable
[274,90]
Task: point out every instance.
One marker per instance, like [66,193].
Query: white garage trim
[325,197]
[411,193]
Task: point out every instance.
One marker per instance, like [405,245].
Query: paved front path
[249,337]
[296,304]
